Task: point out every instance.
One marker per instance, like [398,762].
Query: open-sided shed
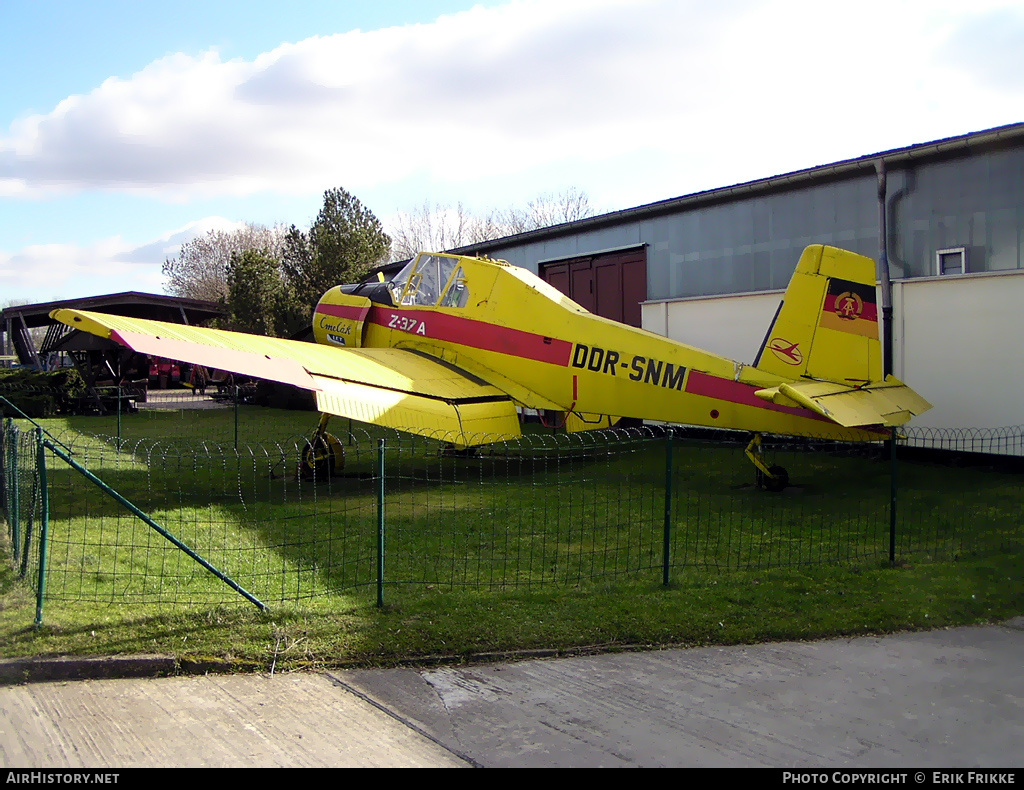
[95,358]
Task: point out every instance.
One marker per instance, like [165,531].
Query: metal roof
[133,304]
[939,149]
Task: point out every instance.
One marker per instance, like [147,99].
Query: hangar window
[951,261]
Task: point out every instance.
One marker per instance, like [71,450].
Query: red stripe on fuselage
[351,311]
[698,383]
[478,334]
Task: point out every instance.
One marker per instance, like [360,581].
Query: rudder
[827,324]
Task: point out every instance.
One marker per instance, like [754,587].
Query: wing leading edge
[390,387]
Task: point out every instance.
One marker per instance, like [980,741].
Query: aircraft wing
[391,387]
[889,402]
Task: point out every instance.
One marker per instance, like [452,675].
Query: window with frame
[951,261]
[457,293]
[423,279]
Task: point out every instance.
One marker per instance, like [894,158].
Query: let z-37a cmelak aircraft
[453,346]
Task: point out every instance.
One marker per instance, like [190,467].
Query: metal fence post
[667,535]
[26,548]
[380,522]
[10,485]
[119,416]
[15,514]
[236,416]
[892,496]
[45,526]
[4,452]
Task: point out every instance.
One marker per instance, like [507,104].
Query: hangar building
[709,269]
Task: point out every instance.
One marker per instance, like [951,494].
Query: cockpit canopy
[430,280]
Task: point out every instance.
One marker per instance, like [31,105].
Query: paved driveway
[300,720]
[940,698]
[949,698]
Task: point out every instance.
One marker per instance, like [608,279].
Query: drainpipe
[883,273]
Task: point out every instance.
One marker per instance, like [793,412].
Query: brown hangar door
[610,284]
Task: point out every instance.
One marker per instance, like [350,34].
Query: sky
[128,128]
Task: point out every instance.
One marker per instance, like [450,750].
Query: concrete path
[940,698]
[951,698]
[298,720]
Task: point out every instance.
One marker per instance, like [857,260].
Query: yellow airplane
[453,347]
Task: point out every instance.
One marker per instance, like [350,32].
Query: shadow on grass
[700,608]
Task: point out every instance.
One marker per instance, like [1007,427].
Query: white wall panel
[732,326]
[959,341]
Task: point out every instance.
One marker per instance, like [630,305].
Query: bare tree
[200,269]
[546,210]
[440,227]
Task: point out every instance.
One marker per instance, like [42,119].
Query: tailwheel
[776,479]
[770,478]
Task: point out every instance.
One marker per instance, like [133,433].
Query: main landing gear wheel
[323,455]
[321,458]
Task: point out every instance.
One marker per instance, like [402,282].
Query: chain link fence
[547,510]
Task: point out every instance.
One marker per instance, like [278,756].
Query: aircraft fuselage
[509,328]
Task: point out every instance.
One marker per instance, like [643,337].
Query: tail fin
[827,324]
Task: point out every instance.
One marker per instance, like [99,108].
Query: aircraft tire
[779,479]
[320,460]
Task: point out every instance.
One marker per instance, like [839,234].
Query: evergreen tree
[254,292]
[345,241]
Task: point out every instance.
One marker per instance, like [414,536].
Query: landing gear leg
[323,454]
[770,478]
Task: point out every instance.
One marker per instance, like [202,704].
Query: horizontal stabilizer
[886,403]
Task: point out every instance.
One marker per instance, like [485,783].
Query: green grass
[701,608]
[505,552]
[216,426]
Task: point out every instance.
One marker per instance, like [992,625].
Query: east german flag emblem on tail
[850,307]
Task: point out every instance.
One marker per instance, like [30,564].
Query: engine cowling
[339,318]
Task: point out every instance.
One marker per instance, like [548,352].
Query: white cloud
[45,272]
[719,92]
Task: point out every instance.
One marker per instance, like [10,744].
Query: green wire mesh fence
[547,510]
